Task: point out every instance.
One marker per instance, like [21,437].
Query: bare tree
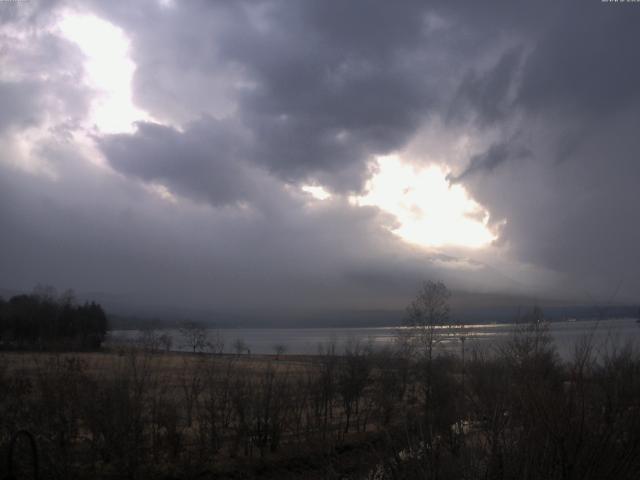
[165,341]
[353,377]
[194,336]
[192,384]
[149,339]
[428,316]
[240,346]
[279,349]
[216,344]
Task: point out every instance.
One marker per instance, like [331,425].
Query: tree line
[45,320]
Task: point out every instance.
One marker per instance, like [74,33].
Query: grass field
[139,413]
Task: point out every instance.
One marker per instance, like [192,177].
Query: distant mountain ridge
[468,307]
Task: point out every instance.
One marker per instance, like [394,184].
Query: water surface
[307,340]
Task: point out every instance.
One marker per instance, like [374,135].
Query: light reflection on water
[306,340]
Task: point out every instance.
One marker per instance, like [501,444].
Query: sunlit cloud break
[316,191]
[108,69]
[429,210]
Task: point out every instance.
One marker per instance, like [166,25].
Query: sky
[316,155]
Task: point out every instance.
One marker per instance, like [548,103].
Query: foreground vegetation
[514,412]
[413,411]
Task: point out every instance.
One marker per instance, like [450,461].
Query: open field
[171,364]
[135,413]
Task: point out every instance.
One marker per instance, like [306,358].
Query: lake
[306,340]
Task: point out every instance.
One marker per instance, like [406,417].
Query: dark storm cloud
[203,162]
[585,63]
[334,85]
[488,161]
[570,205]
[321,85]
[580,215]
[488,95]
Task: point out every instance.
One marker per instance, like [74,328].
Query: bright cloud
[108,69]
[429,210]
[316,191]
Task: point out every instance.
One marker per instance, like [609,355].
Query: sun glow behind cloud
[430,211]
[108,69]
[316,191]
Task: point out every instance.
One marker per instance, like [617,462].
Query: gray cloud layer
[252,99]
